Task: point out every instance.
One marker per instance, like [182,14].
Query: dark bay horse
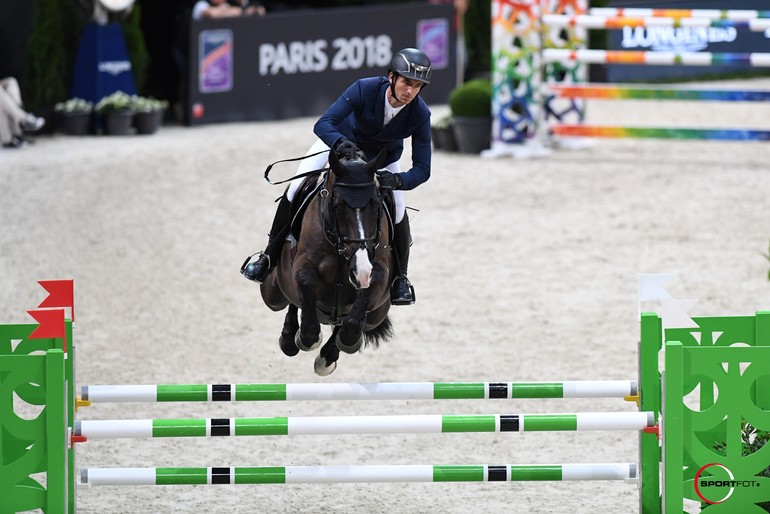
[339,271]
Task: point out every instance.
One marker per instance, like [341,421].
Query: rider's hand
[344,147]
[389,180]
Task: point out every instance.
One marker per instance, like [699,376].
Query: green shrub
[472,99]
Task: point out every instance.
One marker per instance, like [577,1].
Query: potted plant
[117,113]
[148,114]
[471,106]
[75,115]
[442,133]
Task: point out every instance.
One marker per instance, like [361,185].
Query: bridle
[343,242]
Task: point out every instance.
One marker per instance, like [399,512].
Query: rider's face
[406,90]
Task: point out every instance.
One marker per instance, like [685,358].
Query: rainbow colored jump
[635,92]
[757,59]
[712,14]
[661,133]
[588,21]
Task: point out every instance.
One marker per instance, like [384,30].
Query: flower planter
[118,123]
[472,134]
[148,122]
[444,138]
[76,123]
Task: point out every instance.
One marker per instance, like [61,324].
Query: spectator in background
[14,120]
[225,9]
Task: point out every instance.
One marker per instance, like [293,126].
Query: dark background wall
[16,22]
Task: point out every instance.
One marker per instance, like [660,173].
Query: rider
[372,114]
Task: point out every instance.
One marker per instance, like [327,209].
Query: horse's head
[356,211]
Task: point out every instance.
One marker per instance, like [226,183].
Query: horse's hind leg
[326,362]
[290,327]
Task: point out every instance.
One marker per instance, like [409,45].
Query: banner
[293,64]
[717,39]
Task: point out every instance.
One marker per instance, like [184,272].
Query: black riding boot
[402,292]
[258,270]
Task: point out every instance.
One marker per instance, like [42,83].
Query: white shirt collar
[390,111]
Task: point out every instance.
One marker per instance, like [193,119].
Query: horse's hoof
[287,346]
[303,347]
[321,369]
[353,348]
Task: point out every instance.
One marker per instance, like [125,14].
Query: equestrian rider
[372,114]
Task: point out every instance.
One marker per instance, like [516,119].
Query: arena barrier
[540,112]
[694,356]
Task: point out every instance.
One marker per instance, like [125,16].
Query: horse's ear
[376,163]
[334,162]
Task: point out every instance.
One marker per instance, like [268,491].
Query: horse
[339,270]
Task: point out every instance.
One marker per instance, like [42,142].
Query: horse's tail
[380,333]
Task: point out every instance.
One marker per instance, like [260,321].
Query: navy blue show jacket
[358,115]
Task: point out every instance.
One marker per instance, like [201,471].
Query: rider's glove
[389,180]
[344,147]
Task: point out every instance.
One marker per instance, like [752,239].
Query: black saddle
[307,191]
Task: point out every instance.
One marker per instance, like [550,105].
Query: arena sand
[524,269]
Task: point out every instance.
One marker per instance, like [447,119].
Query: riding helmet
[412,64]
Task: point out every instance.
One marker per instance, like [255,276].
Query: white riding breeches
[319,161]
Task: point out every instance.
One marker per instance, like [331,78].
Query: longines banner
[295,64]
[718,39]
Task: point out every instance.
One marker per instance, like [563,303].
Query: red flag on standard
[60,294]
[51,325]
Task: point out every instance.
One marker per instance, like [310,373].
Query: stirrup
[247,268]
[406,297]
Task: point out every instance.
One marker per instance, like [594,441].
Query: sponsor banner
[295,64]
[685,39]
[102,65]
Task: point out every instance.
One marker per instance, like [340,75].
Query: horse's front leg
[290,327]
[326,362]
[351,334]
[309,335]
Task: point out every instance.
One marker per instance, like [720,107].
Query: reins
[301,175]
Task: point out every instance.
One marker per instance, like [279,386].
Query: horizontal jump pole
[660,133]
[635,92]
[711,14]
[325,425]
[588,21]
[359,391]
[357,474]
[756,59]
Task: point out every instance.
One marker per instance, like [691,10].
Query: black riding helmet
[410,63]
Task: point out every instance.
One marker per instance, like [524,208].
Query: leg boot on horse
[258,270]
[402,292]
